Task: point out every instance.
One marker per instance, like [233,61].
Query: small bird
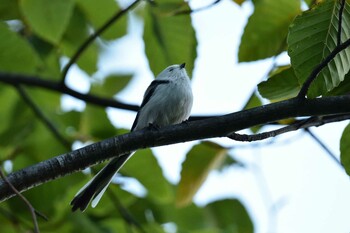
[168,100]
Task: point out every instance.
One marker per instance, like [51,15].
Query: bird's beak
[182,65]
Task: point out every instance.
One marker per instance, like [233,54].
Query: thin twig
[301,124]
[340,20]
[40,115]
[189,11]
[269,134]
[30,207]
[319,67]
[327,150]
[91,38]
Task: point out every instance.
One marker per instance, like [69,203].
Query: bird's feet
[152,126]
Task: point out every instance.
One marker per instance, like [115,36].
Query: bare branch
[327,150]
[186,12]
[30,207]
[86,44]
[19,79]
[219,126]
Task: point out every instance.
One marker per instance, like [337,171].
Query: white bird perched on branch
[168,100]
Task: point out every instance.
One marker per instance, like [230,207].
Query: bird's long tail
[95,188]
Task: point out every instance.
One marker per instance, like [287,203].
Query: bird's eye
[171,69]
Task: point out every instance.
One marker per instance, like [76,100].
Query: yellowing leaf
[199,162]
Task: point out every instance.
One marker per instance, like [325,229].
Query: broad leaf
[169,39]
[95,124]
[266,32]
[144,167]
[345,149]
[199,162]
[77,32]
[231,216]
[283,84]
[342,89]
[48,20]
[312,36]
[16,55]
[99,12]
[111,85]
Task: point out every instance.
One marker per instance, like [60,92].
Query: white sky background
[311,193]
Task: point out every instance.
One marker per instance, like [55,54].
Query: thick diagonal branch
[188,131]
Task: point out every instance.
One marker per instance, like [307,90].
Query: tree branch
[86,44]
[19,79]
[303,91]
[301,124]
[26,202]
[194,130]
[32,81]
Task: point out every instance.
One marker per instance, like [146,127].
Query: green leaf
[144,167]
[230,215]
[345,149]
[199,162]
[283,84]
[99,12]
[266,32]
[169,39]
[9,10]
[76,34]
[16,55]
[111,85]
[48,20]
[312,36]
[342,89]
[95,124]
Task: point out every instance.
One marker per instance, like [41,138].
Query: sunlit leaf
[169,39]
[95,124]
[49,21]
[198,163]
[345,149]
[76,34]
[111,85]
[16,55]
[283,84]
[342,89]
[266,32]
[312,36]
[99,12]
